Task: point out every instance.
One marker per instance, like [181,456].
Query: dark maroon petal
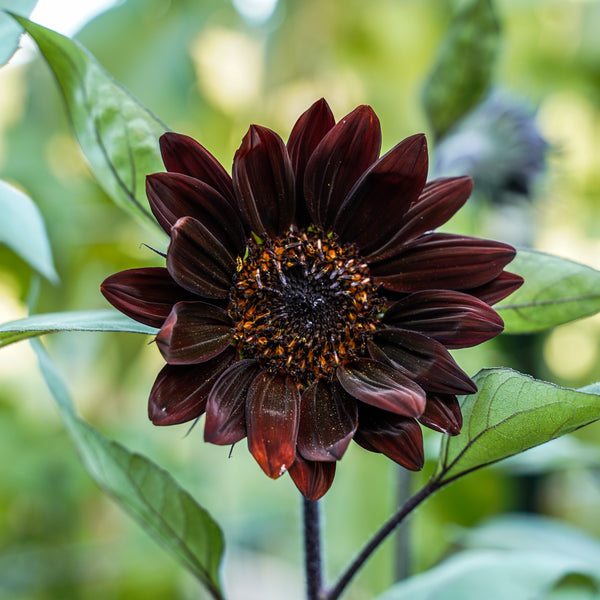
[172,196]
[375,208]
[504,285]
[312,478]
[454,319]
[305,137]
[442,413]
[443,261]
[399,438]
[264,182]
[226,407]
[182,154]
[349,148]
[328,419]
[180,392]
[197,261]
[422,359]
[146,294]
[380,385]
[272,411]
[440,199]
[194,332]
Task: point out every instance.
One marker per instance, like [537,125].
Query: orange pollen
[303,304]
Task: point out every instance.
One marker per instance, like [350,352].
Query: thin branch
[379,537]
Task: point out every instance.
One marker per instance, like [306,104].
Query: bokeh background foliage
[208,70]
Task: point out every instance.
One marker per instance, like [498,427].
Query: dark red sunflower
[307,301]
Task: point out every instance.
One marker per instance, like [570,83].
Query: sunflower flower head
[307,300]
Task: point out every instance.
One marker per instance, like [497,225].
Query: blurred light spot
[12,102]
[64,158]
[343,91]
[68,16]
[561,235]
[229,67]
[569,122]
[572,350]
[256,11]
[16,358]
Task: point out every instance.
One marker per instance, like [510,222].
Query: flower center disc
[303,304]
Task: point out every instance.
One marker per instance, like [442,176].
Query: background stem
[312,550]
[378,538]
[402,563]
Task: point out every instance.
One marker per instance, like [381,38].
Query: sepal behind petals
[312,478]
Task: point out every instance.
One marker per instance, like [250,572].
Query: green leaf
[118,135]
[534,533]
[148,493]
[555,291]
[90,320]
[493,575]
[510,413]
[463,68]
[10,32]
[22,230]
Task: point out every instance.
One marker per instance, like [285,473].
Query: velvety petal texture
[264,182]
[398,437]
[182,154]
[346,151]
[380,385]
[443,261]
[454,319]
[198,261]
[180,392]
[328,420]
[307,300]
[306,134]
[438,201]
[503,286]
[194,332]
[375,208]
[226,407]
[173,196]
[146,295]
[442,413]
[422,359]
[272,411]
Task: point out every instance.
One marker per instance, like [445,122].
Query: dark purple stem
[312,550]
[376,540]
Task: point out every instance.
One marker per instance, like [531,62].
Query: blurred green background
[208,69]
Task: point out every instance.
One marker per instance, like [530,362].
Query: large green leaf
[147,492]
[555,291]
[118,135]
[463,68]
[510,413]
[22,230]
[10,32]
[90,320]
[534,533]
[497,575]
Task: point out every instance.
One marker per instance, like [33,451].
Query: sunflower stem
[380,536]
[312,550]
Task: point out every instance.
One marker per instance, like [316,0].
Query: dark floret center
[303,304]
